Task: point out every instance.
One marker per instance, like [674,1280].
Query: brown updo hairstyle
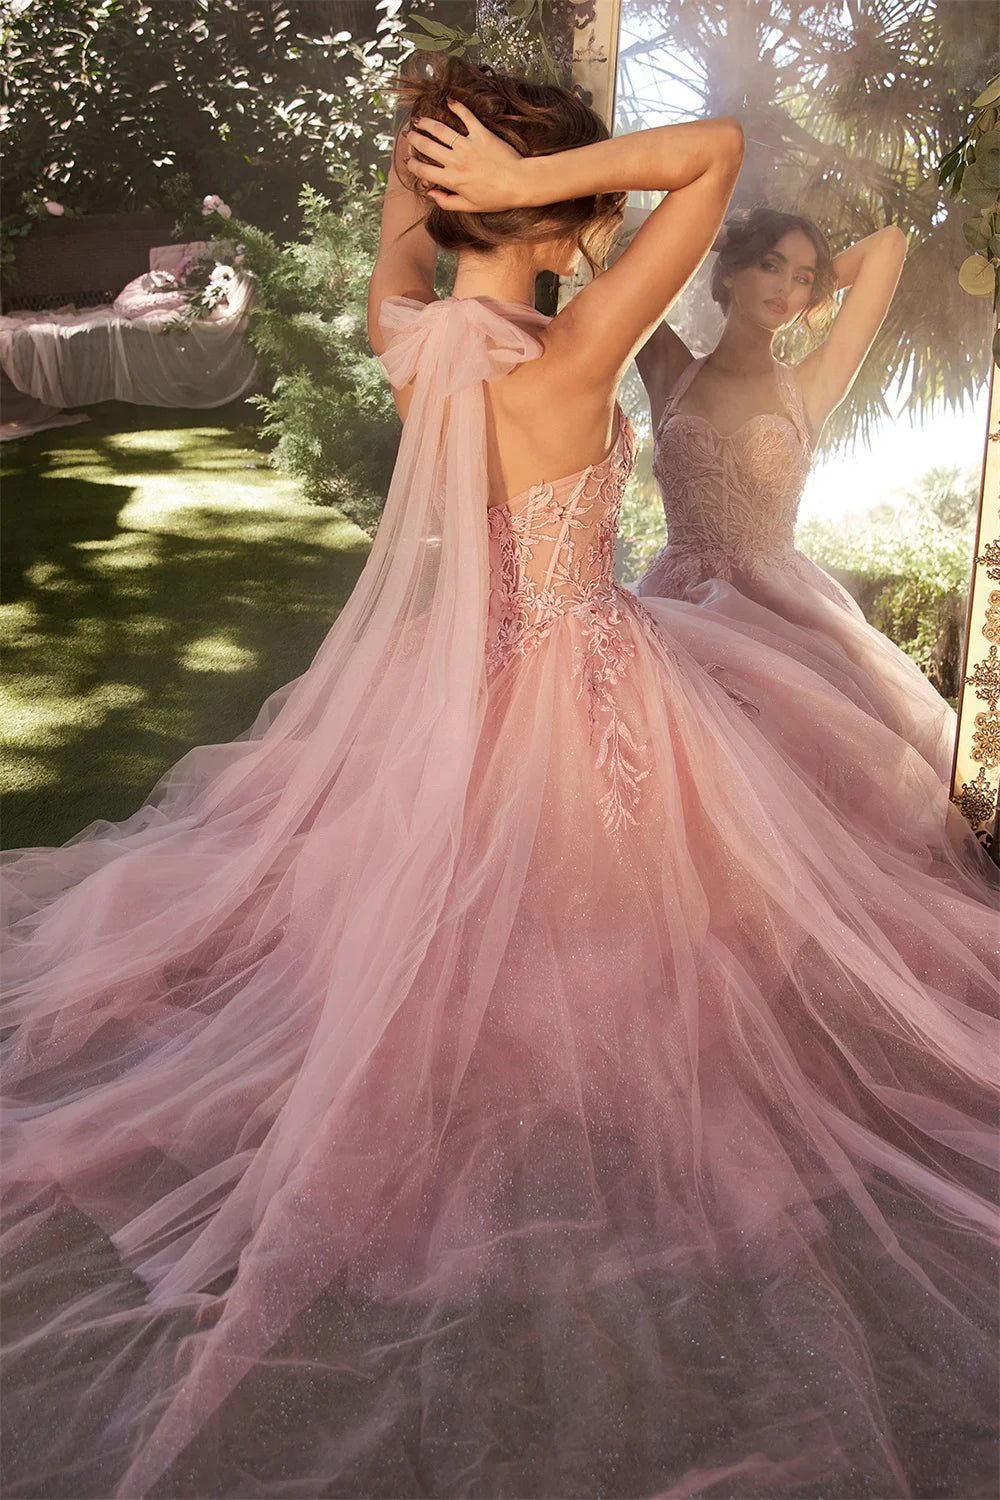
[537,119]
[746,240]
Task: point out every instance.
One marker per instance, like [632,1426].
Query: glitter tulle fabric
[731,502]
[499,1074]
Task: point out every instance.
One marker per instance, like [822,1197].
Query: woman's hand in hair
[474,173]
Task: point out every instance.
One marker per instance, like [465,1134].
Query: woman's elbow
[376,339]
[732,141]
[898,239]
[894,240]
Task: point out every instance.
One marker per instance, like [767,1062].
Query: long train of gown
[731,502]
[499,1074]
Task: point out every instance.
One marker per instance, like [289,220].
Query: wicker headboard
[86,261]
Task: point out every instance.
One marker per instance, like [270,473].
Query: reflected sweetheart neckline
[544,484]
[725,437]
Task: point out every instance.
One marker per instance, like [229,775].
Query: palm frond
[847,108]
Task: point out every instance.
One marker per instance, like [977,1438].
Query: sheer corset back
[733,496]
[552,549]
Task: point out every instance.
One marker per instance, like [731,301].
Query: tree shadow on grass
[134,644]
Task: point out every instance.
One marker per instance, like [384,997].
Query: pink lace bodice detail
[552,549]
[552,553]
[733,498]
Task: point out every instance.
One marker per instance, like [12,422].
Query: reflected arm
[871,270]
[661,361]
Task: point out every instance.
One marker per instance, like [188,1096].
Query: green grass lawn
[159,580]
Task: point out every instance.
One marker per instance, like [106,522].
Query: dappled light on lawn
[159,583]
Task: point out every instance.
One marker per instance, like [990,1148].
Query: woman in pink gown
[734,434]
[499,1074]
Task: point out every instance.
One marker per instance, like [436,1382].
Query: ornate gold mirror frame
[976,771]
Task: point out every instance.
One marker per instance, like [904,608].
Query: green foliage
[532,38]
[908,568]
[435,36]
[949,493]
[329,412]
[528,37]
[643,529]
[910,543]
[971,170]
[927,623]
[128,104]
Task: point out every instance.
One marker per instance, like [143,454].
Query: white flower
[50,207]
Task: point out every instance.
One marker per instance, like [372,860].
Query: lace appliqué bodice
[733,498]
[552,554]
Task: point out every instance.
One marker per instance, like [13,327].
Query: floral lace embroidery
[602,662]
[553,555]
[732,499]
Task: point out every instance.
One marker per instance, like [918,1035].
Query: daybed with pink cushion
[125,352]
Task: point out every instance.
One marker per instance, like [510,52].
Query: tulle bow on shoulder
[456,341]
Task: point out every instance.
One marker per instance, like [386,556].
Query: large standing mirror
[848,111]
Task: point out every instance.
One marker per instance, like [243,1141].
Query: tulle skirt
[800,611]
[666,1168]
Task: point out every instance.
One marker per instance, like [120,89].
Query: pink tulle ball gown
[499,1074]
[731,501]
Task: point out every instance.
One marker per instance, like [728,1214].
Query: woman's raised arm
[696,164]
[407,256]
[871,270]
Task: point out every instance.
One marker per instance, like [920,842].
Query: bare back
[535,435]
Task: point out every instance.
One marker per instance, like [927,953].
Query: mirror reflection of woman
[734,438]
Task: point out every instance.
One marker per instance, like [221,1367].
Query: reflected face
[774,293]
